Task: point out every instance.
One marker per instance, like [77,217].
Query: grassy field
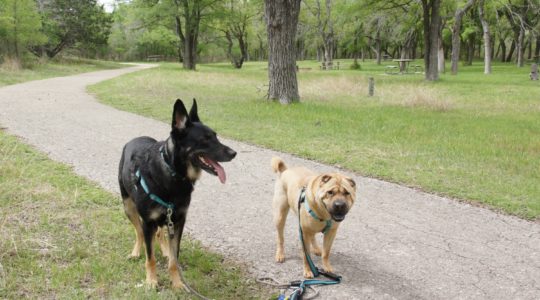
[9,74]
[62,237]
[471,136]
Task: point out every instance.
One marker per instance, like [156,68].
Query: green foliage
[355,66]
[67,23]
[158,41]
[19,27]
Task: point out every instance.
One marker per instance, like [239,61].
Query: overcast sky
[109,4]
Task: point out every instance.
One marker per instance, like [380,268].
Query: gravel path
[397,242]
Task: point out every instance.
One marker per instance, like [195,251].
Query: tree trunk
[326,31]
[440,55]
[537,49]
[520,48]
[432,26]
[456,34]
[378,47]
[511,52]
[529,47]
[181,39]
[190,52]
[470,49]
[487,38]
[503,50]
[282,21]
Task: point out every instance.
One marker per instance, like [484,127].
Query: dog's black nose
[231,153]
[340,206]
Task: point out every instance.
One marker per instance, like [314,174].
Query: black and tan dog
[157,178]
[328,198]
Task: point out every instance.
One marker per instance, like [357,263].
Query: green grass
[473,137]
[35,70]
[62,237]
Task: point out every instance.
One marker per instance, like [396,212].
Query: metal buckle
[170,224]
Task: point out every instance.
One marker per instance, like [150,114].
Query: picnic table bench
[155,58]
[327,67]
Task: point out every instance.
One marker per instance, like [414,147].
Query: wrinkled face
[337,193]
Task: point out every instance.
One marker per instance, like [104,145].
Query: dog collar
[312,213]
[169,167]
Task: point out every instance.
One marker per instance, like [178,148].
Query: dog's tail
[278,165]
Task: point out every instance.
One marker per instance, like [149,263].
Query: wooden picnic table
[403,64]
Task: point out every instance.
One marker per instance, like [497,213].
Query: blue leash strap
[303,284]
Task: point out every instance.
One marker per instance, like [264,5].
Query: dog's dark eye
[330,193]
[346,193]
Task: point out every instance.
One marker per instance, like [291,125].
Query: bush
[356,66]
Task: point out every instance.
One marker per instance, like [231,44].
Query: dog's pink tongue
[219,169]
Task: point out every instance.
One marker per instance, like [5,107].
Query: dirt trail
[396,242]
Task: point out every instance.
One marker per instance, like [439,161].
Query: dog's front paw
[316,251]
[308,274]
[151,283]
[280,257]
[328,268]
[134,256]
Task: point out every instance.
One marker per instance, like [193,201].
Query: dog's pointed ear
[193,115]
[180,118]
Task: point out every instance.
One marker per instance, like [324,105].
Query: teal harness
[302,285]
[169,206]
[152,196]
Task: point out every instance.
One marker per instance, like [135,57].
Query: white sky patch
[109,4]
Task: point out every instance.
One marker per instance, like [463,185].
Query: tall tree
[487,37]
[281,24]
[432,26]
[184,17]
[20,26]
[456,33]
[522,15]
[431,21]
[325,28]
[67,22]
[237,15]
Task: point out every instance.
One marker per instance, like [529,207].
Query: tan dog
[330,196]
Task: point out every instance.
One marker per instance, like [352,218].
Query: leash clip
[170,224]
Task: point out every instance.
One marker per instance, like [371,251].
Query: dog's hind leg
[131,211]
[149,231]
[161,236]
[280,209]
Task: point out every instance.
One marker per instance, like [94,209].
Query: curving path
[397,242]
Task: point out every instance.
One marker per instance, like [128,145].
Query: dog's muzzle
[339,210]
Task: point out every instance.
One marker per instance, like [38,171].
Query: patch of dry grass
[333,88]
[11,65]
[416,96]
